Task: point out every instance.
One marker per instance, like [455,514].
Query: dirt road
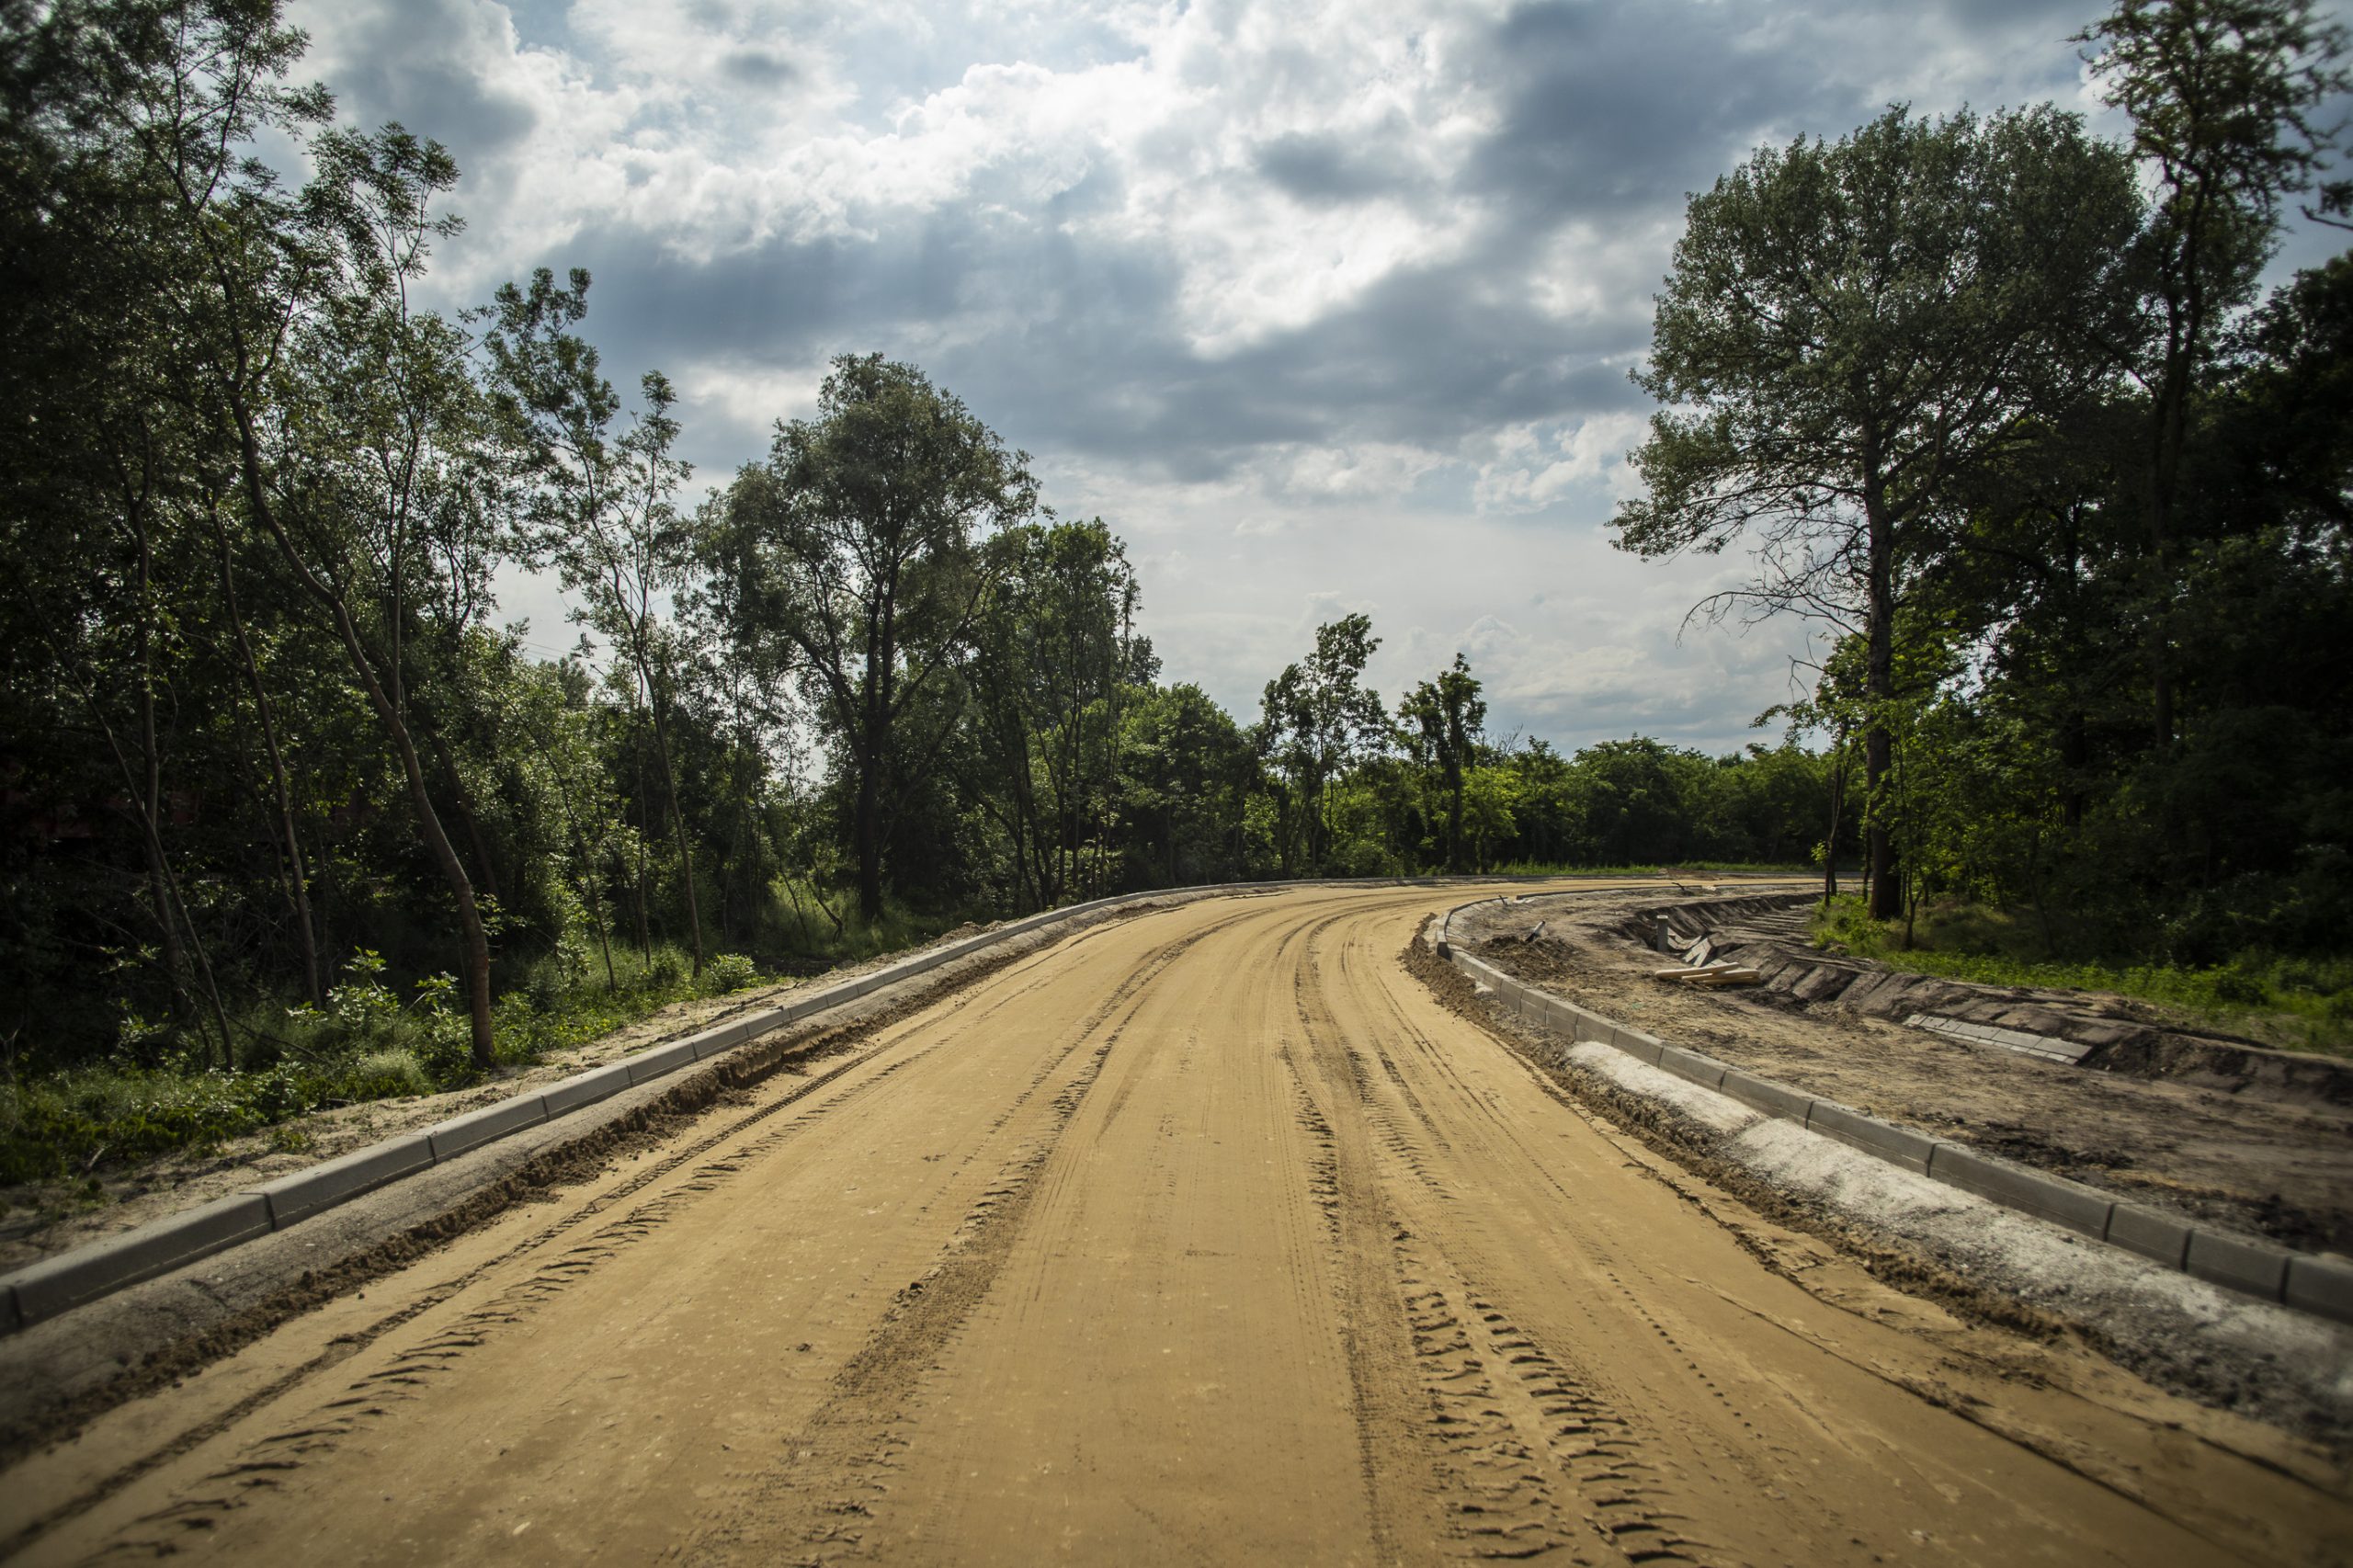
[1207,1236]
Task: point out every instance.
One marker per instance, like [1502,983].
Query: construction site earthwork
[1570,1221]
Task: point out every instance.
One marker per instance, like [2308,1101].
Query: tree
[1184,767]
[860,533]
[1847,330]
[1320,717]
[2223,94]
[1446,715]
[282,335]
[604,506]
[376,494]
[1052,650]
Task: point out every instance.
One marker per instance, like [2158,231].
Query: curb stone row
[55,1285]
[2322,1286]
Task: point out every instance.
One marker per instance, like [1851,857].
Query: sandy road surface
[1206,1236]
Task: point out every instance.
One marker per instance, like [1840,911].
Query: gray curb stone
[586,1088]
[51,1286]
[2061,1202]
[1705,1071]
[2152,1235]
[711,1043]
[1774,1099]
[2246,1266]
[2322,1285]
[662,1060]
[1635,1043]
[1897,1145]
[471,1131]
[305,1192]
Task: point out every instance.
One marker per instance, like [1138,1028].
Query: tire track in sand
[268,1462]
[837,1468]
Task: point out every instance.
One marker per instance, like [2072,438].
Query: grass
[2291,1003]
[152,1099]
[366,1044]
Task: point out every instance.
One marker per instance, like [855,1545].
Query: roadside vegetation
[290,817]
[2289,1001]
[2006,410]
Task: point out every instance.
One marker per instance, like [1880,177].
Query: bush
[667,969]
[382,1074]
[729,971]
[71,1124]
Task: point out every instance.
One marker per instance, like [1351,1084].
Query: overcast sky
[1321,306]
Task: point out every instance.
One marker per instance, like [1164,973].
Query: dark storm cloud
[1085,352]
[422,65]
[1617,107]
[1322,169]
[758,68]
[1604,114]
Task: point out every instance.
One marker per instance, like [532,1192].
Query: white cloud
[1320,303]
[1533,466]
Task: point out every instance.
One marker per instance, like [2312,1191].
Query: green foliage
[729,971]
[384,1074]
[67,1125]
[291,821]
[367,1045]
[2296,1002]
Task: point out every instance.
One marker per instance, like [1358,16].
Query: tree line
[2002,407]
[273,771]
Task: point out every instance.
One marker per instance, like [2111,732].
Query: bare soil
[2265,1150]
[1211,1235]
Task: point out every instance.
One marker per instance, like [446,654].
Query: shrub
[729,971]
[381,1075]
[667,969]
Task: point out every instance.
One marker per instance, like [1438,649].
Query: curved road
[1206,1236]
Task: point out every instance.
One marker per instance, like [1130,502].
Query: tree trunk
[298,892]
[150,800]
[677,816]
[1887,890]
[1454,816]
[869,825]
[462,803]
[644,920]
[1837,810]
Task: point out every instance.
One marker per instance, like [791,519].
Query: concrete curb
[43,1290]
[2322,1286]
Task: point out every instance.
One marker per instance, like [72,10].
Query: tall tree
[1320,718]
[604,506]
[2223,96]
[1448,714]
[363,454]
[862,532]
[1851,326]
